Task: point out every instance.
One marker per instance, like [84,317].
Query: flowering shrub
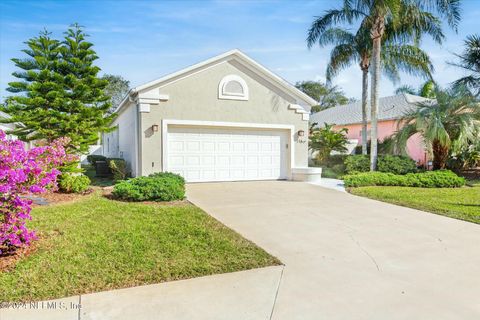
[21,172]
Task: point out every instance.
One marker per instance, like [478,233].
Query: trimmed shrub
[396,164]
[429,179]
[386,163]
[163,186]
[357,163]
[73,183]
[94,158]
[169,175]
[118,167]
[435,179]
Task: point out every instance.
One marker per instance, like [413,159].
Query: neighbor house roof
[390,108]
[4,115]
[304,100]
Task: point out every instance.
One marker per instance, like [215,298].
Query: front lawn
[459,203]
[98,244]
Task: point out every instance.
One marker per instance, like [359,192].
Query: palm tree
[426,90]
[325,140]
[470,61]
[409,18]
[449,123]
[356,48]
[381,11]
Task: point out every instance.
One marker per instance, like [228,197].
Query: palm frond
[405,89]
[409,59]
[335,36]
[411,24]
[330,18]
[469,60]
[341,57]
[451,9]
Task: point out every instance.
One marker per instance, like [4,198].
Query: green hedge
[94,158]
[73,183]
[429,179]
[163,186]
[386,163]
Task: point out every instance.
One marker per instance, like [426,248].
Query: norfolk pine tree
[61,94]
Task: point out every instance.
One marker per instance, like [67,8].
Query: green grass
[459,203]
[97,181]
[99,244]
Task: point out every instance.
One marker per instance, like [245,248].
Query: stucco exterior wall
[121,142]
[415,146]
[196,98]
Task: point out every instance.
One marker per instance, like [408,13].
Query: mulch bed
[8,259]
[56,197]
[471,173]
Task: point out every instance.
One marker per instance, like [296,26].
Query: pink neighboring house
[390,110]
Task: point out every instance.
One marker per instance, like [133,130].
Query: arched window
[233,87]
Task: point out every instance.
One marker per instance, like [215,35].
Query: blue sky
[143,40]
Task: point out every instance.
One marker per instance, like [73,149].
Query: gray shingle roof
[4,115]
[393,107]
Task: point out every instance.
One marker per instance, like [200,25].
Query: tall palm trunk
[376,35]
[364,109]
[440,155]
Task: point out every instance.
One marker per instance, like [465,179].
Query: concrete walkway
[345,257]
[348,257]
[334,184]
[245,295]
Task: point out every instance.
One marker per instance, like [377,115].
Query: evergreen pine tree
[62,94]
[40,90]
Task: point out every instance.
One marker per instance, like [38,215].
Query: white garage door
[226,154]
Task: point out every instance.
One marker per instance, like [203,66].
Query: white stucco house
[224,119]
[7,126]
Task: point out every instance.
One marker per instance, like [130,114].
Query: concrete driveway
[348,257]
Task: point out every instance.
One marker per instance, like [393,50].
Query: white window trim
[195,123]
[232,96]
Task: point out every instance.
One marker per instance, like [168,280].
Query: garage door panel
[237,161]
[176,145]
[208,161]
[226,154]
[208,146]
[252,147]
[193,160]
[266,147]
[192,175]
[176,161]
[222,161]
[208,174]
[237,174]
[223,146]
[252,161]
[238,147]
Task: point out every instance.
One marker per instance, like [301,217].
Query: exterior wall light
[301,136]
[155,128]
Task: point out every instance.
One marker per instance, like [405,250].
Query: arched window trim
[222,94]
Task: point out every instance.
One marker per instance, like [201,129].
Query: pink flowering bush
[22,172]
